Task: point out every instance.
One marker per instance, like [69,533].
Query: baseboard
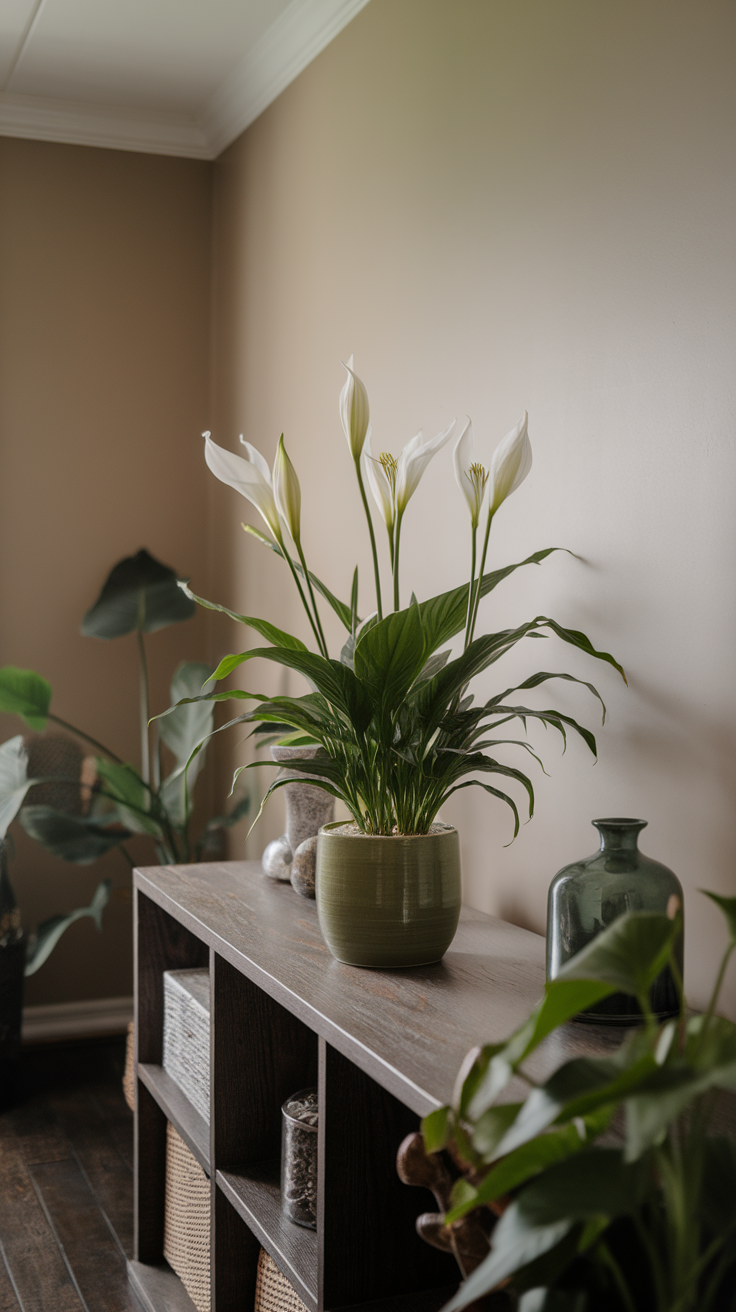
[76,1020]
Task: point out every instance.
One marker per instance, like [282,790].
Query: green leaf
[629,954]
[490,1128]
[435,1129]
[592,1183]
[578,639]
[444,616]
[189,725]
[71,837]
[268,631]
[709,1062]
[389,656]
[138,593]
[124,784]
[48,933]
[563,999]
[516,1243]
[727,906]
[494,1064]
[14,781]
[333,790]
[25,693]
[577,1089]
[543,676]
[495,792]
[549,717]
[718,1191]
[533,1157]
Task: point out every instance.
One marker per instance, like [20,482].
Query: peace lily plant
[398,728]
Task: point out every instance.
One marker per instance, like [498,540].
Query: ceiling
[173,77]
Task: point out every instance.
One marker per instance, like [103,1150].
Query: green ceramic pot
[388,902]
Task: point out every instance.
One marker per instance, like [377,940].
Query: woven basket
[129,1068]
[273,1291]
[187,1220]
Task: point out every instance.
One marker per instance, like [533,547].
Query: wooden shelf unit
[383,1047]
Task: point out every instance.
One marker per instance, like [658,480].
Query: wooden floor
[66,1184]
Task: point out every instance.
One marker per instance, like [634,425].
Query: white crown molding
[96,125]
[76,1020]
[300,33]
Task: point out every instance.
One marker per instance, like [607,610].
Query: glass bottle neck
[619,834]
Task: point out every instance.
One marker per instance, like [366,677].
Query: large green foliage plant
[118,800]
[399,730]
[617,1192]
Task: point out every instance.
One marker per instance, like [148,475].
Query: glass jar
[587,896]
[299,1122]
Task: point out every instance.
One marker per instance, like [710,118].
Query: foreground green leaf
[25,693]
[43,941]
[138,593]
[72,837]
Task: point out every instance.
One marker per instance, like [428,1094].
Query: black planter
[12,967]
[12,964]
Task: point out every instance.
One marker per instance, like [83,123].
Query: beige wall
[104,286]
[498,206]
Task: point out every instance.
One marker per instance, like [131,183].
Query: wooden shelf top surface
[408,1029]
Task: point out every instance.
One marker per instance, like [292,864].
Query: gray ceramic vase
[388,901]
[292,856]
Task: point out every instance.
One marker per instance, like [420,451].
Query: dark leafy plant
[399,731]
[81,809]
[645,1226]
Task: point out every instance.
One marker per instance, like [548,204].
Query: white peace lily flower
[471,478]
[413,461]
[354,411]
[287,491]
[510,463]
[251,478]
[379,483]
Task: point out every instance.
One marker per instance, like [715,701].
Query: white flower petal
[354,411]
[378,483]
[413,461]
[287,491]
[510,464]
[462,461]
[258,460]
[246,478]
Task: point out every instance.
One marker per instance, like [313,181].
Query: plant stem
[399,518]
[323,644]
[289,561]
[714,995]
[124,852]
[474,534]
[476,603]
[80,734]
[366,508]
[144,715]
[613,1266]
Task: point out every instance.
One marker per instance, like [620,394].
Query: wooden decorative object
[187,1034]
[468,1239]
[187,1220]
[273,1291]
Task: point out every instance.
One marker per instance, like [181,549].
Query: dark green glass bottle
[587,896]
